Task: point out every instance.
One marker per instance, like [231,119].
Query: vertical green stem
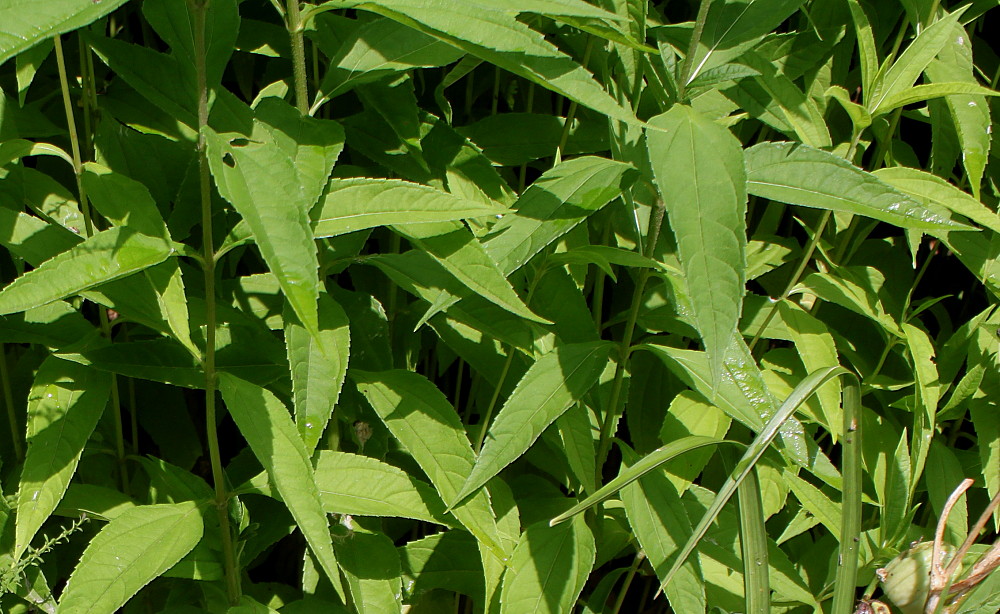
[629,576]
[611,415]
[8,399]
[295,32]
[571,113]
[200,8]
[89,229]
[686,67]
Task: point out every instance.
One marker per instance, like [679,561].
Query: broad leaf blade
[28,22]
[548,568]
[700,174]
[132,550]
[549,388]
[64,405]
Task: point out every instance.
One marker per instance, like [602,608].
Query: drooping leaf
[924,186]
[268,428]
[548,568]
[372,569]
[800,175]
[273,177]
[422,419]
[64,405]
[132,550]
[319,366]
[549,388]
[700,173]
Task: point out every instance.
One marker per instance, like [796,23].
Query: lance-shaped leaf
[549,388]
[491,31]
[109,255]
[927,187]
[420,417]
[548,568]
[365,486]
[319,365]
[27,22]
[553,205]
[455,248]
[801,175]
[700,174]
[129,552]
[64,405]
[268,428]
[372,569]
[273,178]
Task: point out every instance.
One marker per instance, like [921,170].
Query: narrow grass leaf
[548,569]
[700,173]
[753,546]
[552,385]
[109,255]
[130,551]
[638,469]
[27,23]
[801,175]
[65,402]
[372,569]
[803,391]
[268,428]
[319,365]
[421,418]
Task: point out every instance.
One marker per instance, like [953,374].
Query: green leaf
[816,349]
[123,201]
[660,523]
[552,385]
[64,405]
[926,187]
[372,570]
[56,325]
[800,175]
[814,501]
[509,139]
[866,47]
[553,205]
[905,71]
[174,23]
[109,255]
[364,486]
[548,568]
[455,248]
[491,32]
[732,27]
[129,552]
[700,173]
[27,23]
[273,178]
[319,366]
[267,427]
[638,469]
[929,91]
[420,417]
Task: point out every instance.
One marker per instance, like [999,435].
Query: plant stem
[89,230]
[293,21]
[629,575]
[8,399]
[571,113]
[604,445]
[200,8]
[686,68]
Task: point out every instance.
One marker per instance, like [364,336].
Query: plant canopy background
[387,306]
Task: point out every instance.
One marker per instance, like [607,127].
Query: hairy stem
[200,8]
[293,21]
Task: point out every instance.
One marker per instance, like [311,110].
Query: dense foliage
[498,306]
